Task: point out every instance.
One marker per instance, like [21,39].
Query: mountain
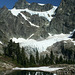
[22,4]
[64,20]
[24,20]
[37,25]
[12,26]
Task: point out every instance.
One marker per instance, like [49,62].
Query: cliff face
[12,26]
[64,20]
[33,20]
[66,49]
[22,4]
[17,26]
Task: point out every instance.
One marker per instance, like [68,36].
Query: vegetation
[19,55]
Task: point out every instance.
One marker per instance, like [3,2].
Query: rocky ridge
[22,4]
[64,20]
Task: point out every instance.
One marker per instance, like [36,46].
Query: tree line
[18,54]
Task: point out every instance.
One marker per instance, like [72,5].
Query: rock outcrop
[12,26]
[63,48]
[22,4]
[64,20]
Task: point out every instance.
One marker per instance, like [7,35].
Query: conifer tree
[37,57]
[51,58]
[46,60]
[32,60]
[18,54]
[41,61]
[10,48]
[5,51]
[61,59]
[56,60]
[23,60]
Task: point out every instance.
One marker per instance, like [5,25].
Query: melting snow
[47,69]
[46,14]
[41,45]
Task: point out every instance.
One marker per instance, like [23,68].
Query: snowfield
[46,69]
[41,45]
[46,14]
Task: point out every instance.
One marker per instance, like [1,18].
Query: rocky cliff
[22,4]
[64,20]
[63,48]
[35,21]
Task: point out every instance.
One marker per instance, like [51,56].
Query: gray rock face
[41,33]
[37,7]
[35,19]
[22,4]
[11,26]
[16,26]
[63,48]
[64,20]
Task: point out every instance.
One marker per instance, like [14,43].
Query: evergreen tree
[41,61]
[32,60]
[10,48]
[37,57]
[5,51]
[46,60]
[56,60]
[51,58]
[60,59]
[23,60]
[18,54]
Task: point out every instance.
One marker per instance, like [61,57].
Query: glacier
[43,44]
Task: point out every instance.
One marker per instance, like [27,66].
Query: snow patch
[46,14]
[46,69]
[22,22]
[29,21]
[72,33]
[73,42]
[1,42]
[41,45]
[41,4]
[30,36]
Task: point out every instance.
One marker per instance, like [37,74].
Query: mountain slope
[23,4]
[64,20]
[25,22]
[36,25]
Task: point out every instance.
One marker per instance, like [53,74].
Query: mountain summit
[22,4]
[36,21]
